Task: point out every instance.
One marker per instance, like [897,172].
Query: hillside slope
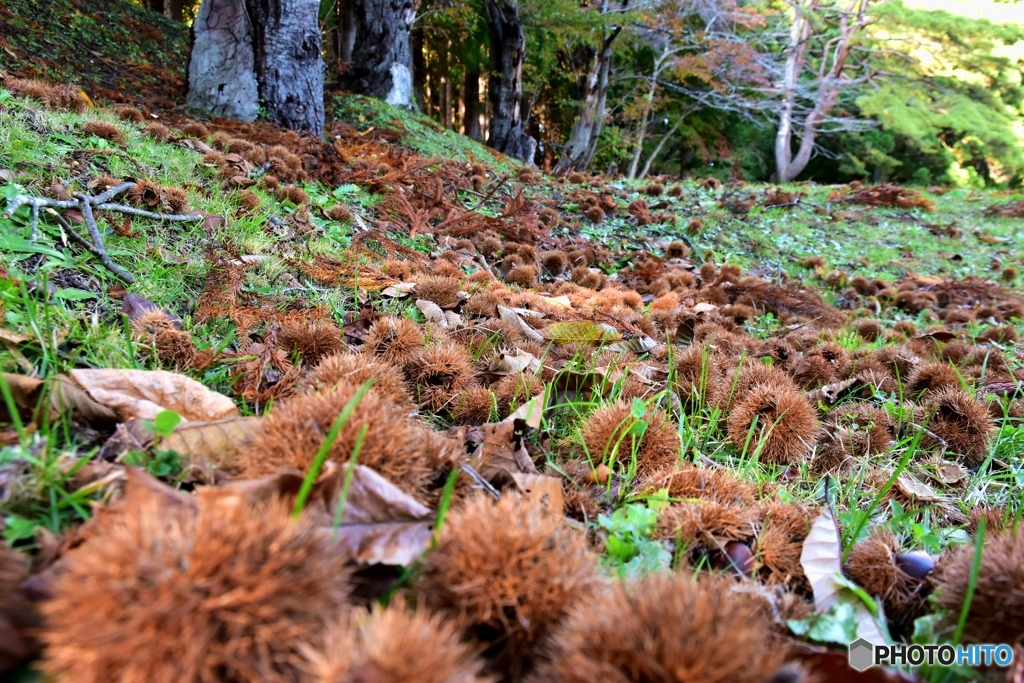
[674,376]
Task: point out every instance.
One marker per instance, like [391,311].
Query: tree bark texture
[586,129]
[246,51]
[222,69]
[505,85]
[471,104]
[289,68]
[381,64]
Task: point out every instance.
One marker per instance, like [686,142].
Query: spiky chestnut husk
[780,541]
[396,645]
[962,421]
[438,374]
[869,330]
[667,628]
[748,376]
[700,376]
[399,448]
[929,378]
[507,573]
[393,339]
[996,614]
[441,289]
[609,435]
[353,368]
[787,424]
[704,483]
[870,429]
[173,594]
[475,406]
[313,340]
[875,565]
[703,525]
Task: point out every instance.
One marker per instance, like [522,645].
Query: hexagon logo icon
[862,654]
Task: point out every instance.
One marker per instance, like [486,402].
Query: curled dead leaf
[513,318]
[432,312]
[64,396]
[144,393]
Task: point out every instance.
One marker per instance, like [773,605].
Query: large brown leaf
[64,395]
[145,393]
[205,447]
[380,523]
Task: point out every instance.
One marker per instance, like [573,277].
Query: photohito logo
[864,655]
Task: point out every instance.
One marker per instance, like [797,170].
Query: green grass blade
[325,448]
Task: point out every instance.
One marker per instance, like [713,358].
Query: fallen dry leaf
[135,306]
[562,301]
[11,337]
[541,489]
[64,395]
[513,318]
[529,413]
[402,289]
[950,473]
[513,363]
[432,312]
[821,560]
[830,394]
[917,490]
[145,393]
[499,452]
[208,446]
[989,238]
[380,523]
[581,331]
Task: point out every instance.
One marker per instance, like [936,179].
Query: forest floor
[777,384]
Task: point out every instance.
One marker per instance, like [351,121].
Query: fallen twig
[86,205]
[91,248]
[478,478]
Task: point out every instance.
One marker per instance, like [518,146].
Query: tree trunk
[830,82]
[471,103]
[445,94]
[505,85]
[419,69]
[586,129]
[288,64]
[381,63]
[155,6]
[246,51]
[661,145]
[222,69]
[346,30]
[173,10]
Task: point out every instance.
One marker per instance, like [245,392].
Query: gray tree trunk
[381,64]
[222,70]
[505,85]
[246,51]
[289,69]
[586,129]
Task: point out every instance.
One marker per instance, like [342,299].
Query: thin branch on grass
[92,249]
[86,204]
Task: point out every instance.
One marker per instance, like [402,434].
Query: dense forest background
[887,90]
